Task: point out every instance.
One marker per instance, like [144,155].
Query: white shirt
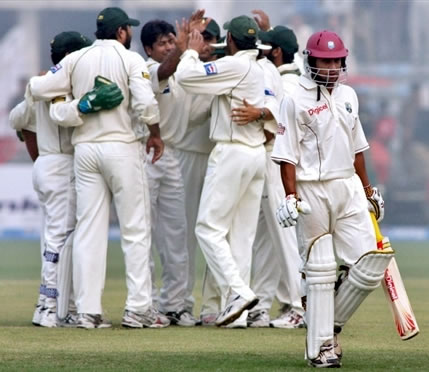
[76,73]
[322,137]
[290,77]
[230,79]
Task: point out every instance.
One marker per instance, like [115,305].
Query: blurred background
[388,42]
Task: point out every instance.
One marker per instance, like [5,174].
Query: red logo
[281,129]
[390,284]
[318,109]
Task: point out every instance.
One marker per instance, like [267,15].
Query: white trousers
[228,213]
[167,196]
[193,166]
[53,180]
[276,260]
[104,170]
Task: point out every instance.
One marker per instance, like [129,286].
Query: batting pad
[64,277]
[320,274]
[363,277]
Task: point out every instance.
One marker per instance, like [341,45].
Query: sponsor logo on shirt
[146,75]
[269,92]
[281,129]
[317,109]
[56,68]
[211,68]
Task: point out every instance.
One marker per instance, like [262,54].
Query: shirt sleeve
[143,102]
[55,83]
[64,111]
[23,116]
[359,140]
[286,145]
[215,78]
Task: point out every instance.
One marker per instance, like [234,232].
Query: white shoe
[90,321]
[49,318]
[181,318]
[37,316]
[208,319]
[240,323]
[326,358]
[288,320]
[234,309]
[149,319]
[258,319]
[70,321]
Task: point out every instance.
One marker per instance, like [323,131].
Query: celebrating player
[320,144]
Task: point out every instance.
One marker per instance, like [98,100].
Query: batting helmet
[325,44]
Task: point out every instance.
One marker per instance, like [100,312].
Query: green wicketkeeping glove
[104,96]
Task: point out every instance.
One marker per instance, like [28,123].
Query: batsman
[320,147]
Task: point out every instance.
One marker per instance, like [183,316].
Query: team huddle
[230,144]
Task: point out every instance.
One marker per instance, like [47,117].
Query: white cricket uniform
[192,152]
[109,162]
[167,193]
[276,260]
[227,217]
[321,139]
[53,181]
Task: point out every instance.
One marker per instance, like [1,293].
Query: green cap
[242,28]
[68,42]
[219,47]
[282,37]
[213,29]
[110,19]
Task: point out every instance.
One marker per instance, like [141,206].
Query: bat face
[396,295]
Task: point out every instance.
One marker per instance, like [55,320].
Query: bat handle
[378,235]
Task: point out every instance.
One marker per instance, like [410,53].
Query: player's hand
[375,203]
[104,97]
[246,114]
[154,141]
[197,21]
[262,19]
[288,211]
[181,39]
[196,41]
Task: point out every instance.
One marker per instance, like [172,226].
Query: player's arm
[30,139]
[64,111]
[22,116]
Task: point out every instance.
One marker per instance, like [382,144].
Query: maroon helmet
[325,44]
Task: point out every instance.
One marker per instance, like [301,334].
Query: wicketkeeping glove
[375,203]
[104,96]
[288,211]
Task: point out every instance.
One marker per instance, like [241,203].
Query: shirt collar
[288,67]
[108,42]
[250,53]
[307,83]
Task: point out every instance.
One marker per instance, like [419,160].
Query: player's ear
[148,50]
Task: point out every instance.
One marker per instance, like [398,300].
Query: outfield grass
[369,341]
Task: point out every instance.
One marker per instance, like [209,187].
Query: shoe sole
[250,305]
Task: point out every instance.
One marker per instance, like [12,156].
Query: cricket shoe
[69,321]
[207,320]
[326,358]
[234,309]
[91,321]
[37,316]
[151,318]
[258,319]
[49,318]
[288,320]
[239,323]
[181,318]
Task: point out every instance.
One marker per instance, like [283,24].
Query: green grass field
[369,341]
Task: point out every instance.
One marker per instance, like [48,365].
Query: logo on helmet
[331,45]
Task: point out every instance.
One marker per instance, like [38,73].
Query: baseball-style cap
[242,28]
[280,36]
[112,18]
[68,42]
[213,29]
[219,47]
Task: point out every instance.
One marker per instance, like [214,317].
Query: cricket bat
[393,287]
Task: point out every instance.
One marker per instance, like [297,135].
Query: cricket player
[109,163]
[320,145]
[275,248]
[53,180]
[227,217]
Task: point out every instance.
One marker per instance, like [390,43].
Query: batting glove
[288,211]
[375,203]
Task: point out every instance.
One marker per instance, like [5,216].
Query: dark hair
[208,36]
[108,33]
[153,29]
[245,44]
